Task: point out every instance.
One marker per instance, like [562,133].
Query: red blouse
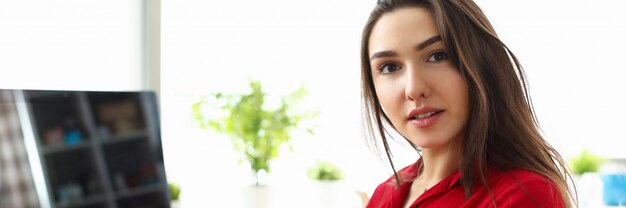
[512,188]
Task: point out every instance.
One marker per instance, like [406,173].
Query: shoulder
[381,194]
[386,190]
[524,188]
[405,174]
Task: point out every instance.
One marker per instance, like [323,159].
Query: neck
[438,164]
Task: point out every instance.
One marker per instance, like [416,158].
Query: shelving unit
[98,149]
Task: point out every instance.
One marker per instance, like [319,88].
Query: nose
[416,84]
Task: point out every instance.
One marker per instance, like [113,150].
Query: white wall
[216,46]
[573,52]
[71,44]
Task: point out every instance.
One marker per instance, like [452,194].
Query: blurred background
[572,52]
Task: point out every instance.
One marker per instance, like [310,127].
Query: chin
[430,142]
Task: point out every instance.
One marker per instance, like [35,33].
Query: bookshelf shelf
[98,149]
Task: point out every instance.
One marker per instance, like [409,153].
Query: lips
[424,117]
[423,112]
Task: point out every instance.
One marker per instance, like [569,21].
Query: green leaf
[325,171]
[586,162]
[174,190]
[256,132]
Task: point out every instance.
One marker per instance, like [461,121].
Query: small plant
[586,162]
[174,191]
[325,171]
[256,131]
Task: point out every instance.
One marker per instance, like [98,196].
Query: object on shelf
[104,131]
[121,117]
[120,181]
[147,175]
[142,176]
[72,132]
[131,181]
[72,136]
[72,192]
[54,136]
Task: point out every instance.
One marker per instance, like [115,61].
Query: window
[71,44]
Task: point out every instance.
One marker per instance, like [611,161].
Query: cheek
[387,93]
[461,96]
[390,95]
[383,97]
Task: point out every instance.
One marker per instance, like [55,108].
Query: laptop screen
[92,149]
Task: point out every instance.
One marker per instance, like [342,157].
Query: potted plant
[330,189]
[586,162]
[174,190]
[256,131]
[325,171]
[585,167]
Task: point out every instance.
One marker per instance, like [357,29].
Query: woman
[436,73]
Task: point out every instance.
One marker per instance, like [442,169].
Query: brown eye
[437,57]
[387,68]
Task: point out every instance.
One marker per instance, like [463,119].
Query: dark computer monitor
[92,149]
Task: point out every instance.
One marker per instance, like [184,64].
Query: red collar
[408,174]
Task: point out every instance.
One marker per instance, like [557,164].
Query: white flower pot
[257,197]
[590,188]
[329,193]
[335,194]
[175,204]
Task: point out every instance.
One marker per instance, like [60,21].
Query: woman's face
[419,88]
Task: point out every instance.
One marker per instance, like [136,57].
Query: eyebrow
[420,46]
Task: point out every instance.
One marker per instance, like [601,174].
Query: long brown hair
[502,130]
